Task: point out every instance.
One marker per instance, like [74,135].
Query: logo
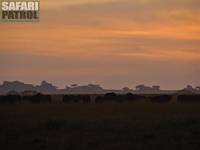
[20,10]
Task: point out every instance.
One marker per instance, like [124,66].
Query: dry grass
[139,125]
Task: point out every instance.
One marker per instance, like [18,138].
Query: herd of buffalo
[98,99]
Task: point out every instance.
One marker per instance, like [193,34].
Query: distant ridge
[48,88]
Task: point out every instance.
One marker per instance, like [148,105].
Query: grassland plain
[115,126]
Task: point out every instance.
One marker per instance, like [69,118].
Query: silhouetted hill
[48,88]
[90,88]
[15,86]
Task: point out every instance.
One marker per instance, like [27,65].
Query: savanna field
[109,126]
[100,75]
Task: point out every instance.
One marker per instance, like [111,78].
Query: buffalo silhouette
[161,98]
[77,99]
[188,98]
[38,98]
[99,100]
[10,99]
[112,97]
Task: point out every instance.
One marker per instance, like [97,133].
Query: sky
[114,43]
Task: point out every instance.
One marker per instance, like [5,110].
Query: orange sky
[115,43]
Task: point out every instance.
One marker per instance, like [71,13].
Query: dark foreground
[117,126]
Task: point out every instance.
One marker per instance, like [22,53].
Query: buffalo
[112,97]
[67,98]
[86,99]
[99,100]
[188,98]
[129,97]
[38,98]
[77,99]
[161,98]
[11,99]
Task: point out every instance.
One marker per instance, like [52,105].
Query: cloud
[175,19]
[52,4]
[135,41]
[137,10]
